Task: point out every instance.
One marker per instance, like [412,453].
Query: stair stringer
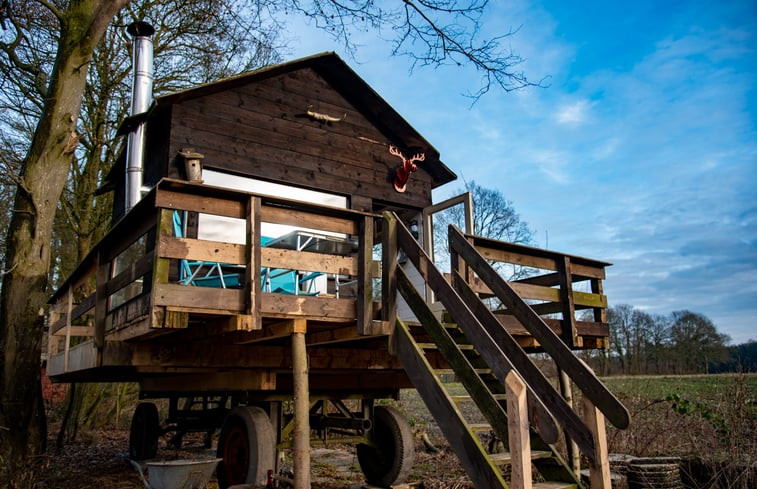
[462,440]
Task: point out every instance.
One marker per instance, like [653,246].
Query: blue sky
[642,151]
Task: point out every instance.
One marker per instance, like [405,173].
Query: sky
[641,149]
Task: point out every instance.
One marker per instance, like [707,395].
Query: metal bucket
[181,474]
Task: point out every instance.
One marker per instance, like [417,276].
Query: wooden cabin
[273,273]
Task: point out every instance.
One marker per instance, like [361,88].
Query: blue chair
[202,273]
[285,281]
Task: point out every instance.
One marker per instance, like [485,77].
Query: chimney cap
[140,28]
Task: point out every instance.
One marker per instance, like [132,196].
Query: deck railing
[557,286]
[128,286]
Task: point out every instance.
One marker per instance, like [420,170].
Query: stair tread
[433,346]
[553,485]
[476,427]
[504,457]
[480,371]
[466,397]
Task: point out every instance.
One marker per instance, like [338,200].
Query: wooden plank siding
[262,130]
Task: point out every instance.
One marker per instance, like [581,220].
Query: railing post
[52,344]
[517,428]
[599,470]
[600,313]
[101,302]
[569,333]
[389,270]
[566,389]
[252,268]
[67,344]
[160,267]
[365,280]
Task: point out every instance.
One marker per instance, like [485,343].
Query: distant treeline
[682,342]
[741,358]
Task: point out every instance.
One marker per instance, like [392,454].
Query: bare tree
[695,341]
[40,182]
[493,217]
[48,91]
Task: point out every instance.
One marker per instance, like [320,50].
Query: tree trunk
[23,430]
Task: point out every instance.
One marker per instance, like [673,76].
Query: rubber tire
[144,432]
[391,460]
[247,445]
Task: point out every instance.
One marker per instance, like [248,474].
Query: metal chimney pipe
[141,98]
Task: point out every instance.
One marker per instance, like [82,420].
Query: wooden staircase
[519,405]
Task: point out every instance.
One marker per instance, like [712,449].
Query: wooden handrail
[583,377]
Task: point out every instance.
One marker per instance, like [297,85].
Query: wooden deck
[124,315]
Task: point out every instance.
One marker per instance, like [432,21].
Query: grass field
[701,387]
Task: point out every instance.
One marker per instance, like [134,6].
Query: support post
[517,427]
[574,457]
[599,471]
[301,406]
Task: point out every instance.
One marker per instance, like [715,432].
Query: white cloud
[575,113]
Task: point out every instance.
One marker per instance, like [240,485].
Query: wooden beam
[204,204]
[210,382]
[313,308]
[312,220]
[280,329]
[308,261]
[336,335]
[202,250]
[222,301]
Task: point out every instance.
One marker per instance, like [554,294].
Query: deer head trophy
[403,171]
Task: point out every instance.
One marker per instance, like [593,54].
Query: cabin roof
[335,71]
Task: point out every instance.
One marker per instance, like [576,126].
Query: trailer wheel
[247,445]
[388,462]
[144,432]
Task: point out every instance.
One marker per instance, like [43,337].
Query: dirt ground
[99,459]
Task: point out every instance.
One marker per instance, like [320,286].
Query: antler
[408,166]
[396,152]
[417,157]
